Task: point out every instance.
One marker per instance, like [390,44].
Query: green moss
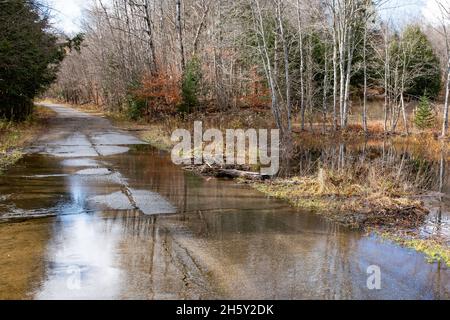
[9,159]
[434,250]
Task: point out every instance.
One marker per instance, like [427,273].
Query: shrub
[156,95]
[136,107]
[190,86]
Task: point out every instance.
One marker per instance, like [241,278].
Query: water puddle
[95,172]
[151,203]
[115,201]
[80,162]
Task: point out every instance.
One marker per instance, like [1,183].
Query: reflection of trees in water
[38,195]
[262,246]
[151,255]
[337,256]
[437,223]
[152,170]
[383,157]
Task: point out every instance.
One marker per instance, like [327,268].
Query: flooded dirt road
[115,219]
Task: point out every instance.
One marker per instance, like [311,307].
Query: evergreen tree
[423,66]
[29,56]
[424,116]
[190,86]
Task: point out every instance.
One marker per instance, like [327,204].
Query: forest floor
[368,197]
[14,137]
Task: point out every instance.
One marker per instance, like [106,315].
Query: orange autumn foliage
[162,92]
[257,95]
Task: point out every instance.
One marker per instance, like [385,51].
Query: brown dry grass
[367,195]
[15,136]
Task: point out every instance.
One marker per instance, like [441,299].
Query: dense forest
[306,60]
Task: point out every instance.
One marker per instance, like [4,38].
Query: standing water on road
[93,213]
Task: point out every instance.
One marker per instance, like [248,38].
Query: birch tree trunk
[286,64]
[402,97]
[386,80]
[348,75]
[325,92]
[180,34]
[445,19]
[267,63]
[149,31]
[364,112]
[335,75]
[205,10]
[342,77]
[302,84]
[446,103]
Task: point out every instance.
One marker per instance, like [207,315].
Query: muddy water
[113,219]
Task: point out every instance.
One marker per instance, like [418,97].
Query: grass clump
[361,197]
[8,159]
[15,135]
[435,250]
[158,138]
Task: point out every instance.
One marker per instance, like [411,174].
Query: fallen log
[233,173]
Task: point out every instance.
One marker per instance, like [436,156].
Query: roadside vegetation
[14,136]
[30,56]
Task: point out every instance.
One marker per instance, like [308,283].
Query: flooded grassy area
[394,187]
[351,202]
[15,136]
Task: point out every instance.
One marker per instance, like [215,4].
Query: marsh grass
[361,195]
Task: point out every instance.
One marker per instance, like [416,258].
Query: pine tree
[190,85]
[423,66]
[29,56]
[424,116]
